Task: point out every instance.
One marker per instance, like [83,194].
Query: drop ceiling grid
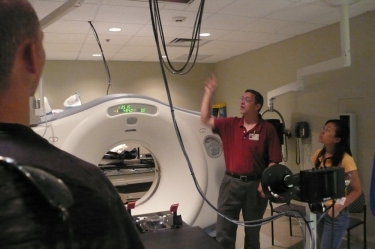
[237,26]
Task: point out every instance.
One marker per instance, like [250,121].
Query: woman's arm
[356,187]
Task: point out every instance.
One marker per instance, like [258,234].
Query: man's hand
[210,84]
[337,207]
[260,190]
[209,89]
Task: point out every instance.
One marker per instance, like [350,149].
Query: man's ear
[29,56]
[258,107]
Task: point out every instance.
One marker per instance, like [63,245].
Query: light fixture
[179,19]
[96,55]
[114,29]
[204,34]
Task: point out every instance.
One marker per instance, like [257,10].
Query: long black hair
[342,147]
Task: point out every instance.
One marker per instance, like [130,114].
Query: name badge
[253,136]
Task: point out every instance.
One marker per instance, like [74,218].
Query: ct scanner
[90,130]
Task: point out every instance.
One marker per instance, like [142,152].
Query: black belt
[243,178]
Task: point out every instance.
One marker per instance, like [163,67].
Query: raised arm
[209,89]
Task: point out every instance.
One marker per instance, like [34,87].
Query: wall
[325,95]
[62,79]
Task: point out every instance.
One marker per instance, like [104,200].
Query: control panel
[213,146]
[132,108]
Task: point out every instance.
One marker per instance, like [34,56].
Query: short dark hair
[18,22]
[258,97]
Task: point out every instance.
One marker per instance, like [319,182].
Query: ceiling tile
[229,22]
[106,48]
[123,14]
[64,38]
[129,56]
[130,29]
[254,8]
[266,38]
[137,49]
[142,41]
[110,39]
[86,55]
[43,8]
[86,12]
[62,47]
[212,6]
[68,27]
[301,12]
[236,26]
[266,26]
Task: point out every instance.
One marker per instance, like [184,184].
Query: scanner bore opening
[132,169]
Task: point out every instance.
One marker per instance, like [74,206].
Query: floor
[282,236]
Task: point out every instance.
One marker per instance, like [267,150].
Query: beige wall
[62,79]
[324,97]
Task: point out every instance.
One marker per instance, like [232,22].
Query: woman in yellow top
[336,152]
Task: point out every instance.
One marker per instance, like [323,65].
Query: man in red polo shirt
[250,145]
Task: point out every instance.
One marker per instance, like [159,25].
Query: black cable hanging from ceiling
[158,33]
[102,53]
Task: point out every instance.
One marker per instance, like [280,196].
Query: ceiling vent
[168,1]
[186,42]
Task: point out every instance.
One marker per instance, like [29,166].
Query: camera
[312,186]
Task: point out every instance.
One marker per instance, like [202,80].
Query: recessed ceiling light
[96,55]
[204,34]
[115,29]
[179,18]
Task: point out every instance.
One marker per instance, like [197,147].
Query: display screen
[131,108]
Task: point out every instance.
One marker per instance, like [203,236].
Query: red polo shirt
[248,152]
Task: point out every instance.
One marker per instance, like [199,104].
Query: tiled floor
[282,236]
